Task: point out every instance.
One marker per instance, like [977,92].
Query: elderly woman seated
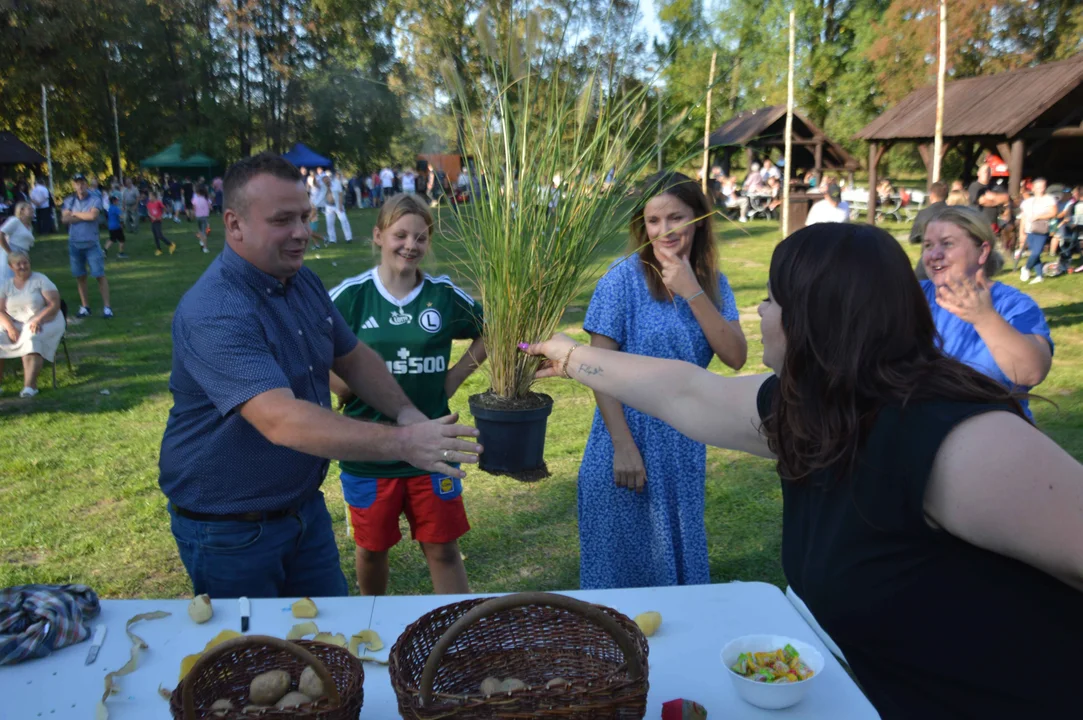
[31,325]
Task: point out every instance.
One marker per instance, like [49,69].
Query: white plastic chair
[805,613]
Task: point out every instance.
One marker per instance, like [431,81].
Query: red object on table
[683,710]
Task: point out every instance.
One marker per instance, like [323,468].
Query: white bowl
[770,696]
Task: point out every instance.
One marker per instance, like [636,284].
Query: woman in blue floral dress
[641,483]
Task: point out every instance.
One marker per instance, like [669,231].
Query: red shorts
[433,505]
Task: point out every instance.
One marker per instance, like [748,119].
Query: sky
[649,20]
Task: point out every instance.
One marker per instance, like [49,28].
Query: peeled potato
[255,708]
[304,608]
[649,622]
[292,700]
[267,688]
[310,683]
[556,682]
[200,609]
[512,684]
[490,686]
[222,704]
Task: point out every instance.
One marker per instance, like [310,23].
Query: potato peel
[649,622]
[189,661]
[299,630]
[331,638]
[101,712]
[304,608]
[369,638]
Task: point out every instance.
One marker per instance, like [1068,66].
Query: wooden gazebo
[1031,117]
[764,129]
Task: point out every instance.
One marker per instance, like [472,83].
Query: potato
[556,682]
[200,609]
[223,705]
[292,700]
[649,622]
[267,688]
[512,684]
[490,686]
[255,708]
[310,683]
[304,608]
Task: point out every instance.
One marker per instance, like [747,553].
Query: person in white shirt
[387,182]
[335,205]
[43,216]
[15,237]
[770,171]
[409,182]
[828,209]
[1036,212]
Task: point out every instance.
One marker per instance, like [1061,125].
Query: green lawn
[79,494]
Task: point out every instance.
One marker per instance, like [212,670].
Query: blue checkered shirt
[237,333]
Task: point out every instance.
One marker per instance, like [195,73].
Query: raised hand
[677,273]
[967,299]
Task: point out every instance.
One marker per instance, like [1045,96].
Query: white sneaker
[744,220]
[1019,253]
[1024,274]
[1036,280]
[27,392]
[206,250]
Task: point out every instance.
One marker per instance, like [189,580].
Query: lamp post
[48,149]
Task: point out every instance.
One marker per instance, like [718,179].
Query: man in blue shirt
[80,213]
[251,431]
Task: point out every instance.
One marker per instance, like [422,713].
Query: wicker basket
[226,671]
[438,663]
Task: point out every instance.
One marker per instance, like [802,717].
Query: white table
[684,654]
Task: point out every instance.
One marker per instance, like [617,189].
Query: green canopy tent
[174,160]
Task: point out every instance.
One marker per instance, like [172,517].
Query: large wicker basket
[226,671]
[438,663]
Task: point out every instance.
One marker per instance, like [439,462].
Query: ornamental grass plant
[557,147]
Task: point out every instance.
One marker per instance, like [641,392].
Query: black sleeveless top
[932,626]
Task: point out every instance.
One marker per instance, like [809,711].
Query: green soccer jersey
[413,336]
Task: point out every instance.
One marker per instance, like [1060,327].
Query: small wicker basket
[577,660]
[226,671]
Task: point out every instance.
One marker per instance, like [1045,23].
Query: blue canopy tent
[303,156]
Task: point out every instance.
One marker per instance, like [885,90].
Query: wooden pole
[707,121]
[116,131]
[789,137]
[874,159]
[48,151]
[938,137]
[659,138]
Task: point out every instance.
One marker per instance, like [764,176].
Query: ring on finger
[447,455]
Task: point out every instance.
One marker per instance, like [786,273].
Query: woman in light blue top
[992,327]
[641,482]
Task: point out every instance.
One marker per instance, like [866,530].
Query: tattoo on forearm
[589,370]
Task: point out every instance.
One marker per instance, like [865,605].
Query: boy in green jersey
[410,319]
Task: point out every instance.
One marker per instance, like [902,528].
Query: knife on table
[96,643]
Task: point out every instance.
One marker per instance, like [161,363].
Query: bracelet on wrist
[567,358]
[694,296]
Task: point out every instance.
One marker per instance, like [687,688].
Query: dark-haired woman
[641,482]
[944,562]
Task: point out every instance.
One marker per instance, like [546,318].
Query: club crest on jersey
[398,317]
[430,320]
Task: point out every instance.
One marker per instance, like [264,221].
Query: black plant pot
[513,434]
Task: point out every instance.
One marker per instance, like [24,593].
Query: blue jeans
[79,258]
[1035,243]
[295,556]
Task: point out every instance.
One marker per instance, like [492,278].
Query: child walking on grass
[156,211]
[201,208]
[116,229]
